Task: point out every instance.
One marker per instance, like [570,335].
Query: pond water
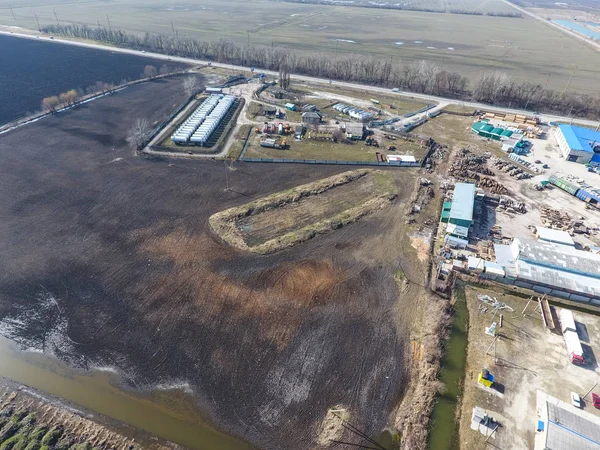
[33,69]
[168,414]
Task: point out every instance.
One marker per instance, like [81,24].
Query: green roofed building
[497,133]
[446,212]
[460,217]
[483,129]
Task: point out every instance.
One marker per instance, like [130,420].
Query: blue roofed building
[578,144]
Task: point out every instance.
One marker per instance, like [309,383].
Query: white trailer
[567,322]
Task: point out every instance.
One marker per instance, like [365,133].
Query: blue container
[588,197]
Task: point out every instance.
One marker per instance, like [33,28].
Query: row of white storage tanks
[198,128]
[355,113]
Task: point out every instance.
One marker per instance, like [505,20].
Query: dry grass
[235,150]
[285,219]
[415,412]
[524,48]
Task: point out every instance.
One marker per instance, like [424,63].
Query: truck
[574,349]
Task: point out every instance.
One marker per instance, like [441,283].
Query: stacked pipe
[191,124]
[212,121]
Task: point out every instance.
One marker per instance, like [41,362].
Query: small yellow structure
[485,378]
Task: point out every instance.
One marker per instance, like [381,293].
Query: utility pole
[56,17]
[226,175]
[38,22]
[12,12]
[108,20]
[248,32]
[570,79]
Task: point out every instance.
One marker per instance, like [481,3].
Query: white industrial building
[561,426]
[551,267]
[199,126]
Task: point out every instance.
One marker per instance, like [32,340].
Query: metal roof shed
[554,236]
[461,212]
[579,138]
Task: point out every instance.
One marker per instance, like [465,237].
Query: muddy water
[444,431]
[96,391]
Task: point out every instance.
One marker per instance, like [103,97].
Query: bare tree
[284,77]
[50,103]
[190,85]
[150,71]
[69,97]
[136,137]
[164,69]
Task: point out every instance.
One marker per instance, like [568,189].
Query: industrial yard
[527,359]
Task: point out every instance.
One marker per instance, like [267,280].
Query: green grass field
[524,48]
[326,150]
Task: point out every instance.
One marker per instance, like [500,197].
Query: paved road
[428,98]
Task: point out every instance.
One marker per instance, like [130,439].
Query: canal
[444,429]
[167,414]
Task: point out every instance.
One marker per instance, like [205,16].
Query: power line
[348,426]
[353,445]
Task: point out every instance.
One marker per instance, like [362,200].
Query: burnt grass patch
[107,258]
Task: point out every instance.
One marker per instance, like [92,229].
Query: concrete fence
[331,162]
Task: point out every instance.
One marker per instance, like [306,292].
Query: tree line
[494,88]
[70,97]
[411,7]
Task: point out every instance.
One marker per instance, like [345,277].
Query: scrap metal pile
[471,167]
[512,169]
[558,220]
[493,304]
[511,205]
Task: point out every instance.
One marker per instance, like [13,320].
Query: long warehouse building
[200,125]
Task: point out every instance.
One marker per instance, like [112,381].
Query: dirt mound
[288,218]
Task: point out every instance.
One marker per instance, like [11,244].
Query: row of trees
[54,102]
[421,76]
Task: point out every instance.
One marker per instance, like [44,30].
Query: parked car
[546,166]
[596,400]
[537,161]
[575,400]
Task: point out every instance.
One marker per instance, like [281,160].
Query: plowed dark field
[107,258]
